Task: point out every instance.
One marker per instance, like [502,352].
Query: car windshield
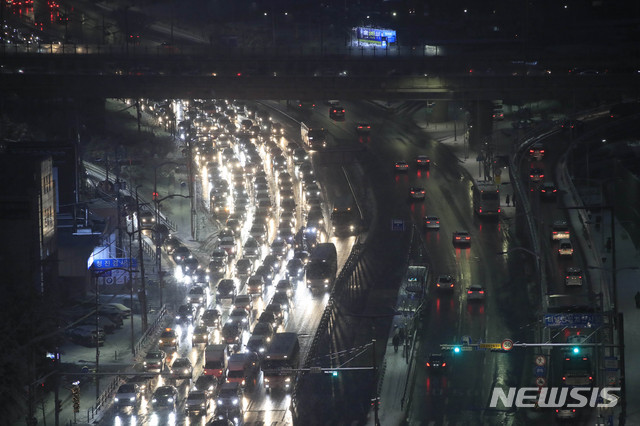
[127,389]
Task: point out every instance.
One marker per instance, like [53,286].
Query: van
[216,360]
[244,368]
[559,230]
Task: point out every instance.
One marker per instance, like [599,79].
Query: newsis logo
[554,397]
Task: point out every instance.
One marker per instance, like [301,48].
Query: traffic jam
[232,339]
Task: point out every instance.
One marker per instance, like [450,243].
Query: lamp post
[143,287]
[160,239]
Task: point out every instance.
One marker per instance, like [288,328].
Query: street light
[160,239]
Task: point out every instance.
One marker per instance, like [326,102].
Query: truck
[345,217]
[215,360]
[320,273]
[280,361]
[313,137]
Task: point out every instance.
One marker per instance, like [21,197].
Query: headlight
[154,400]
[144,363]
[170,399]
[352,228]
[133,398]
[186,371]
[219,402]
[288,379]
[266,380]
[326,281]
[117,399]
[235,401]
[160,341]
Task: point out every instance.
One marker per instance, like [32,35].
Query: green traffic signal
[334,373]
[576,350]
[456,349]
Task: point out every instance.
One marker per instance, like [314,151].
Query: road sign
[397,225]
[507,344]
[490,345]
[574,320]
[541,381]
[611,363]
[541,360]
[540,371]
[120,262]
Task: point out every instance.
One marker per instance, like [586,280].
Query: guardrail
[105,396]
[151,331]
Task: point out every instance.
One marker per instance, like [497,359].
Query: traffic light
[58,405]
[575,350]
[334,373]
[155,196]
[75,397]
[456,349]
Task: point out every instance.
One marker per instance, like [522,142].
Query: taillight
[444,364]
[428,364]
[469,292]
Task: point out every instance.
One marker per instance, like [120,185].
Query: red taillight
[451,286]
[481,291]
[564,378]
[498,210]
[469,291]
[444,364]
[428,364]
[412,192]
[480,210]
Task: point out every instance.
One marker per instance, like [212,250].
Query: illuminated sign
[375,36]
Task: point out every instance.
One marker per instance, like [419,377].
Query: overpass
[104,71]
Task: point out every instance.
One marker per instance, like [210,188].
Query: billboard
[375,36]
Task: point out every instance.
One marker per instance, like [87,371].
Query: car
[200,335]
[244,268]
[271,318]
[312,190]
[201,276]
[276,309]
[240,315]
[536,174]
[565,248]
[165,397]
[252,248]
[559,230]
[258,344]
[182,369]
[198,403]
[416,193]
[154,361]
[190,265]
[147,219]
[169,339]
[572,125]
[218,262]
[230,401]
[283,299]
[259,232]
[424,162]
[263,329]
[207,383]
[536,151]
[285,286]
[565,412]
[244,301]
[227,289]
[180,253]
[197,296]
[279,248]
[431,222]
[363,128]
[127,395]
[185,314]
[461,238]
[294,269]
[301,254]
[401,166]
[436,362]
[170,244]
[232,333]
[573,276]
[475,292]
[211,318]
[267,273]
[548,190]
[445,282]
[234,224]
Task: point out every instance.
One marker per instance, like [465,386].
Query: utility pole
[143,290]
[375,382]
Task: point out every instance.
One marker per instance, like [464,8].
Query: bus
[345,218]
[486,199]
[320,273]
[281,361]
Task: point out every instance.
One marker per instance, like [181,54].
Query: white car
[416,193]
[475,292]
[431,222]
[573,276]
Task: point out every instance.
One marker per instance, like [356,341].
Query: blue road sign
[120,262]
[397,225]
[573,320]
[540,371]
